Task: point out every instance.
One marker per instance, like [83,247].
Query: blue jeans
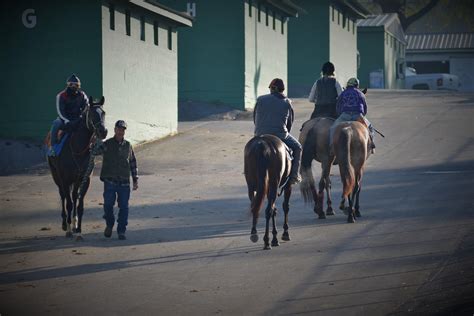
[295,146]
[57,124]
[120,193]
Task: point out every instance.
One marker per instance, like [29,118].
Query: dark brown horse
[351,141]
[69,167]
[267,168]
[314,138]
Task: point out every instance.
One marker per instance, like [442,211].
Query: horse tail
[309,152]
[262,151]
[344,160]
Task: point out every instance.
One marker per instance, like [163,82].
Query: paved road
[188,250]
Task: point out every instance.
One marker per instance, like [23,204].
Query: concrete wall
[308,48]
[140,79]
[35,62]
[342,46]
[392,54]
[265,51]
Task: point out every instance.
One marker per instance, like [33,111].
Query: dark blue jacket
[70,106]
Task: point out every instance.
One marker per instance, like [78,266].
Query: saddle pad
[58,147]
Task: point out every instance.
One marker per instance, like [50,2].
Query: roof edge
[154,6]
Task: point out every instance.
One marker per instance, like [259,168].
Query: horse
[314,138]
[351,140]
[267,168]
[69,167]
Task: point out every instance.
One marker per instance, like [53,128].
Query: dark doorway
[430,67]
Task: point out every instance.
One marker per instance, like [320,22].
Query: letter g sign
[29,18]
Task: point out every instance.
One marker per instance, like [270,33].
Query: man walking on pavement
[274,115]
[119,163]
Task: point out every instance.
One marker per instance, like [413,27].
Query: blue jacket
[273,114]
[351,100]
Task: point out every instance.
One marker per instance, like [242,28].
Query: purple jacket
[351,100]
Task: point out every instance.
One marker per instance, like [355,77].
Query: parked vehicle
[437,81]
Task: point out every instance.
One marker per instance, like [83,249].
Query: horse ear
[102,100]
[91,100]
[364,91]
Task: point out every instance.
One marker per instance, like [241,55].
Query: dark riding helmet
[121,124]
[278,84]
[328,68]
[73,80]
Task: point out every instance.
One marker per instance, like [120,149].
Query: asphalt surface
[188,250]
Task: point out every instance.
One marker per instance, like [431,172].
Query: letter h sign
[191,9]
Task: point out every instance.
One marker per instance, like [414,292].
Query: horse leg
[318,205]
[63,209]
[356,206]
[286,209]
[80,213]
[275,242]
[269,212]
[74,209]
[350,210]
[329,210]
[342,205]
[69,208]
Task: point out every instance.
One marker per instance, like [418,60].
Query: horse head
[96,117]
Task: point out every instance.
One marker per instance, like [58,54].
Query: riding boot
[371,136]
[295,167]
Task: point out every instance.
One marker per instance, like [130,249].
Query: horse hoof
[68,234]
[64,226]
[74,231]
[346,210]
[351,219]
[275,243]
[357,213]
[267,247]
[79,238]
[254,237]
[321,216]
[342,207]
[285,237]
[330,211]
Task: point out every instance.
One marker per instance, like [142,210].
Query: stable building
[451,53]
[126,50]
[233,51]
[325,31]
[382,46]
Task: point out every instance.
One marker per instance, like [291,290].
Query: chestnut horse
[351,141]
[314,138]
[267,167]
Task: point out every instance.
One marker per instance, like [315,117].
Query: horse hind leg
[63,210]
[286,208]
[275,242]
[319,201]
[350,209]
[329,210]
[269,213]
[69,207]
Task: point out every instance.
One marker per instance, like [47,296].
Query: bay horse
[351,140]
[69,167]
[314,138]
[267,167]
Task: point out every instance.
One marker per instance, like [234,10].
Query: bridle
[89,123]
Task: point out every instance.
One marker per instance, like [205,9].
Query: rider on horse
[274,115]
[351,106]
[70,104]
[324,93]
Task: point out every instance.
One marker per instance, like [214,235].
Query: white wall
[139,78]
[342,47]
[265,54]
